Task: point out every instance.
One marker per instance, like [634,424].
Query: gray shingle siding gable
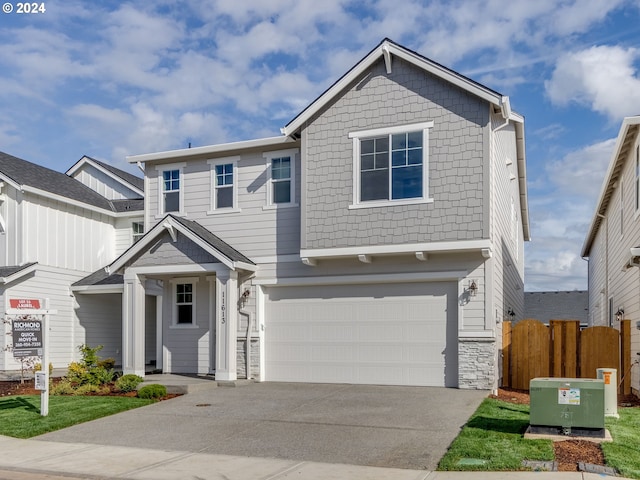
[457,151]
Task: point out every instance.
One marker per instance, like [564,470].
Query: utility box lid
[567,402]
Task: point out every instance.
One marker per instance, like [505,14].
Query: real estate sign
[27,338]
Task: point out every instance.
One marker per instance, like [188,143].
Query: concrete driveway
[402,427]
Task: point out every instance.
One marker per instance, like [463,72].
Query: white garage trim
[362,279]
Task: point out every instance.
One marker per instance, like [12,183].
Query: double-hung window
[184,302]
[171,189]
[224,184]
[137,231]
[391,165]
[281,186]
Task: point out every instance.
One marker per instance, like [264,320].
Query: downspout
[242,301]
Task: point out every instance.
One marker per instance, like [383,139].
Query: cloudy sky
[110,79]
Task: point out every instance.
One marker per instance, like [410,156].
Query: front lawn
[20,415]
[495,431]
[494,434]
[622,453]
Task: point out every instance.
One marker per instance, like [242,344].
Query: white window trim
[292,152]
[133,235]
[160,170]
[213,209]
[375,132]
[174,304]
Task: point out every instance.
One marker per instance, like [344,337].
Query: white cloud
[602,78]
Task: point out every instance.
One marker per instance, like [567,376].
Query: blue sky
[110,79]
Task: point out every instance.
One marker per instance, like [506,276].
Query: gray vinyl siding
[187,348]
[100,323]
[124,233]
[253,230]
[457,150]
[618,232]
[508,255]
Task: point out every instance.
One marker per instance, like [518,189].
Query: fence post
[625,357]
[506,354]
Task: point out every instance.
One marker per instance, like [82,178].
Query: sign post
[31,339]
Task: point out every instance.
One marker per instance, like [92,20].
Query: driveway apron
[385,426]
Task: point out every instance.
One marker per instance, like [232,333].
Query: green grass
[495,433]
[622,453]
[20,415]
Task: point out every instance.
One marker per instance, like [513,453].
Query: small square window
[137,229]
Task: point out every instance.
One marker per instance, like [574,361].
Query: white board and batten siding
[66,236]
[393,334]
[103,184]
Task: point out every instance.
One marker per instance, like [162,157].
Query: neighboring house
[379,240]
[546,306]
[55,229]
[614,276]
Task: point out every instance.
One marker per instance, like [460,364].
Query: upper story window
[391,165]
[281,185]
[137,231]
[224,184]
[171,189]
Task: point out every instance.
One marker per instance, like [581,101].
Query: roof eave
[389,48]
[210,149]
[608,183]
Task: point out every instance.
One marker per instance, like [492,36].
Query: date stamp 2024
[24,8]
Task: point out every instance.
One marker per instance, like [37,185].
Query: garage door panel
[370,334]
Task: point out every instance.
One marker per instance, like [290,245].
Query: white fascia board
[97,289]
[134,249]
[69,201]
[18,275]
[210,149]
[521,161]
[454,275]
[9,181]
[245,266]
[86,160]
[190,268]
[364,64]
[607,184]
[432,247]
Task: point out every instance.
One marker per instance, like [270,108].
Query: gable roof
[37,179]
[129,180]
[626,135]
[217,247]
[387,49]
[13,272]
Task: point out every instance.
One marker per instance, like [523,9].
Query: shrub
[128,382]
[152,391]
[90,388]
[90,370]
[63,387]
[38,366]
[107,363]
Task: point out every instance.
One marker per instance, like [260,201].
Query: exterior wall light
[473,288]
[619,314]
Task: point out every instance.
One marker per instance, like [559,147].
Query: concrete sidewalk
[31,459]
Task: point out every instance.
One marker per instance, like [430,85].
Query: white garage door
[393,334]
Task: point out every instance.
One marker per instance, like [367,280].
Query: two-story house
[378,240]
[55,228]
[612,240]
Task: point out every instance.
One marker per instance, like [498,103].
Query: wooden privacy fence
[531,349]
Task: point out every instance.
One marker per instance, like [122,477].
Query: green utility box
[567,403]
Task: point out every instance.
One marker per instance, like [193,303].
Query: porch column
[133,319]
[226,325]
